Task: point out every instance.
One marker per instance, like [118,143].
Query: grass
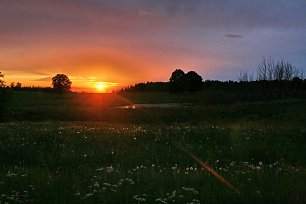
[136,156]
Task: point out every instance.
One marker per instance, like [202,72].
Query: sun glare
[100,86]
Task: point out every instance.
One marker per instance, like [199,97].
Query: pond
[155,105]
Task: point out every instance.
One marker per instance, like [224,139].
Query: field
[82,149]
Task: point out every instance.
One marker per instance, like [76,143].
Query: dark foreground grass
[86,162]
[117,155]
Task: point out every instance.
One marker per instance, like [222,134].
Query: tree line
[271,70]
[271,76]
[274,79]
[179,82]
[60,84]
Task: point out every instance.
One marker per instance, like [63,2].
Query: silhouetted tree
[147,87]
[2,83]
[18,85]
[177,75]
[180,82]
[61,83]
[193,81]
[177,81]
[3,98]
[245,76]
[12,85]
[269,70]
[265,69]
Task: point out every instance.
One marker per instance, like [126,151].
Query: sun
[100,86]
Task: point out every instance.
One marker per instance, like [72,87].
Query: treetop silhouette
[61,84]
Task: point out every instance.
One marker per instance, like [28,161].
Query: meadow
[83,149]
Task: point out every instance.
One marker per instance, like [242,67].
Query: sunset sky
[122,42]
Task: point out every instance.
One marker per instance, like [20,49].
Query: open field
[79,150]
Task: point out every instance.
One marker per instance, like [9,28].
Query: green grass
[84,152]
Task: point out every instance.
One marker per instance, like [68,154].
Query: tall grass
[79,149]
[106,163]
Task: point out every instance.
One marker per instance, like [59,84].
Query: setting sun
[100,86]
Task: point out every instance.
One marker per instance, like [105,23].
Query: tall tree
[61,84]
[193,81]
[177,81]
[177,75]
[181,82]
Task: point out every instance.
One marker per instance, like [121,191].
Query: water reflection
[155,105]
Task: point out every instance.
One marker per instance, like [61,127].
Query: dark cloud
[45,79]
[234,36]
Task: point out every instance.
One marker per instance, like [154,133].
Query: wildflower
[174,168]
[9,198]
[160,200]
[100,169]
[109,169]
[106,184]
[88,195]
[10,174]
[96,184]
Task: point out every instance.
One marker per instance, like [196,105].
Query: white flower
[88,195]
[160,200]
[96,184]
[11,174]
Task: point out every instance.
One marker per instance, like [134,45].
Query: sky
[123,42]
